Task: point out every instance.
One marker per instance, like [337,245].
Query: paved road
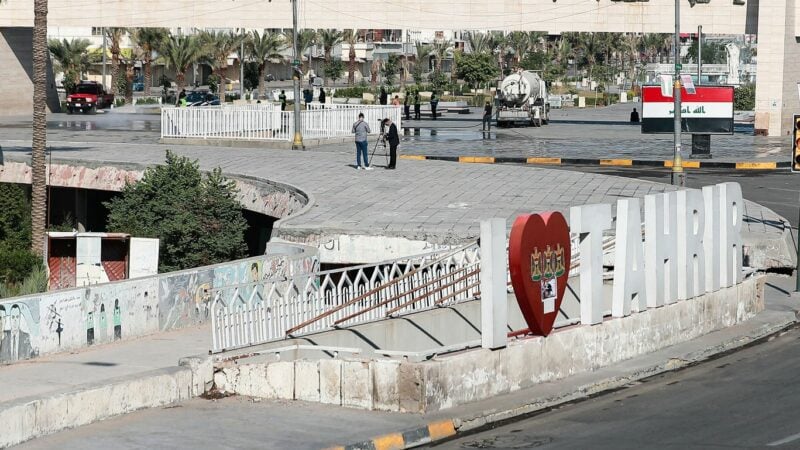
[748,399]
[778,190]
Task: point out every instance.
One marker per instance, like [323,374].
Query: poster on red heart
[539,262]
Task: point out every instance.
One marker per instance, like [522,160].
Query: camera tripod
[382,141]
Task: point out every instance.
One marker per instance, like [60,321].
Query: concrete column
[494,301]
[778,74]
[16,73]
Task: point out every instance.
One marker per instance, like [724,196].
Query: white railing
[266,121]
[251,314]
[245,122]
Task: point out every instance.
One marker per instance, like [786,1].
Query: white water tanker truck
[522,100]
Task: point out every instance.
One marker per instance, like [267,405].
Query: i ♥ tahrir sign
[692,245]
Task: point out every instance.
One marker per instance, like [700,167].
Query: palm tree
[375,69]
[39,141]
[423,53]
[497,44]
[440,50]
[403,71]
[329,38]
[114,36]
[589,45]
[72,57]
[479,42]
[537,40]
[219,45]
[519,43]
[263,48]
[351,37]
[305,39]
[180,52]
[148,40]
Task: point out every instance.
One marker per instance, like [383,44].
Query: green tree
[218,46]
[477,69]
[305,39]
[17,261]
[73,59]
[149,40]
[744,98]
[196,217]
[713,53]
[329,38]
[263,48]
[390,68]
[114,36]
[180,52]
[351,38]
[334,69]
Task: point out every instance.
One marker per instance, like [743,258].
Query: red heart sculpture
[538,259]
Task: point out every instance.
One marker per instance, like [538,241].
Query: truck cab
[88,97]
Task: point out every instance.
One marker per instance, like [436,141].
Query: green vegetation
[21,271]
[197,218]
[477,69]
[744,98]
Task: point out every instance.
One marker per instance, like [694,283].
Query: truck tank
[519,87]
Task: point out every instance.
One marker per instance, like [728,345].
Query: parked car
[88,97]
[201,98]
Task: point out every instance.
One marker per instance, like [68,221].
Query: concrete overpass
[775,22]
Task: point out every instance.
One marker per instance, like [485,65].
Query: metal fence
[267,122]
[250,314]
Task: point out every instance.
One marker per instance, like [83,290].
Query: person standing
[416,106]
[282,99]
[322,96]
[394,141]
[384,96]
[407,105]
[181,98]
[486,124]
[634,116]
[434,103]
[361,130]
[396,100]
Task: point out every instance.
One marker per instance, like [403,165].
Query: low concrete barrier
[448,381]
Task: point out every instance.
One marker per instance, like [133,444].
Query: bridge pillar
[16,73]
[778,71]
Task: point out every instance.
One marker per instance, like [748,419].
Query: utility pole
[241,67]
[678,176]
[699,53]
[297,143]
[103,33]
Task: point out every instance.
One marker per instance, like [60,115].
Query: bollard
[494,298]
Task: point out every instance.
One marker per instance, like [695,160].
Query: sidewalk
[239,422]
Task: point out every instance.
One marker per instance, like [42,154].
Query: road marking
[476,159]
[785,440]
[616,162]
[440,430]
[541,160]
[392,441]
[686,164]
[756,165]
[414,157]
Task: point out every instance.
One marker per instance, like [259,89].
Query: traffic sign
[296,62]
[678,67]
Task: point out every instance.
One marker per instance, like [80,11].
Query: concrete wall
[73,318]
[16,72]
[458,378]
[258,195]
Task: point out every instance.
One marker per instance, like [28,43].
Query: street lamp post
[678,177]
[297,143]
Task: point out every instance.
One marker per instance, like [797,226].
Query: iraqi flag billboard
[708,111]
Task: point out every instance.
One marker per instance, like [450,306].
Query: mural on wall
[79,317]
[17,323]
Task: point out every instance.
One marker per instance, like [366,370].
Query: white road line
[785,440]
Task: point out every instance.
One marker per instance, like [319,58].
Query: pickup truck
[89,96]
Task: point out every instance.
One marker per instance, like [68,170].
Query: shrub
[744,98]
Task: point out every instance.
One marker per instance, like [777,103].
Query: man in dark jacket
[486,124]
[434,103]
[407,105]
[384,96]
[416,106]
[394,141]
[322,96]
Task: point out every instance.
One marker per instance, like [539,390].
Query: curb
[455,427]
[740,165]
[431,432]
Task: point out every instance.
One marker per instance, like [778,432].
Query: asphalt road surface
[748,399]
[778,190]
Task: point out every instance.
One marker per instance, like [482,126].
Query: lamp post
[678,177]
[297,143]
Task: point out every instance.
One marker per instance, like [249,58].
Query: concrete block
[330,381]
[385,384]
[409,388]
[202,368]
[357,384]
[307,381]
[271,381]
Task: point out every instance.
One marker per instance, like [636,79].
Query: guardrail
[250,314]
[267,122]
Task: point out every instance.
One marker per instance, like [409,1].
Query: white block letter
[711,237]
[628,260]
[661,252]
[494,299]
[589,222]
[691,256]
[732,208]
